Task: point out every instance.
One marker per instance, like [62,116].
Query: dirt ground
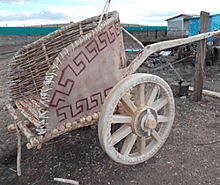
[189,156]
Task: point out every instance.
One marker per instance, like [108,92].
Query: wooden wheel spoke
[139,99]
[128,144]
[135,130]
[128,104]
[121,119]
[141,145]
[151,94]
[162,118]
[160,103]
[156,136]
[120,134]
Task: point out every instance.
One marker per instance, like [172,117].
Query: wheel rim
[132,128]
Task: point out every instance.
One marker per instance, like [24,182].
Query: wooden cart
[77,76]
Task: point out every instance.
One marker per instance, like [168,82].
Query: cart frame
[38,105]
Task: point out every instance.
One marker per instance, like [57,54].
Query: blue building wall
[214,23]
[27,30]
[193,26]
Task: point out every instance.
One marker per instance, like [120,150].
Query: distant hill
[65,24]
[49,25]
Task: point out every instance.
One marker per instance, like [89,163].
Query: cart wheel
[136,118]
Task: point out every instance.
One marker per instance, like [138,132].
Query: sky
[144,12]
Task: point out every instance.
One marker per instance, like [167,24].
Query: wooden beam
[148,50]
[66,181]
[200,56]
[207,93]
[133,37]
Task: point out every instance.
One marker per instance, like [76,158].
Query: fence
[144,29]
[27,30]
[176,33]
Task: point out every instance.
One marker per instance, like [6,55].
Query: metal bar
[175,62]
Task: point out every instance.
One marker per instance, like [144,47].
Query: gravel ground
[189,156]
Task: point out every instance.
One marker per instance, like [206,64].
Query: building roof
[198,17]
[180,15]
[218,14]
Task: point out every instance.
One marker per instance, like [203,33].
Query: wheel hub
[144,121]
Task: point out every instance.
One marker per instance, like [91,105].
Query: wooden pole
[19,151]
[201,55]
[66,181]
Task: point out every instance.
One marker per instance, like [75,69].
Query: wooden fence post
[201,55]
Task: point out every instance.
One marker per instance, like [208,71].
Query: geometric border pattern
[79,63]
[82,105]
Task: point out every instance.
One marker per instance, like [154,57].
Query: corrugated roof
[197,16]
[193,17]
[188,15]
[218,14]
